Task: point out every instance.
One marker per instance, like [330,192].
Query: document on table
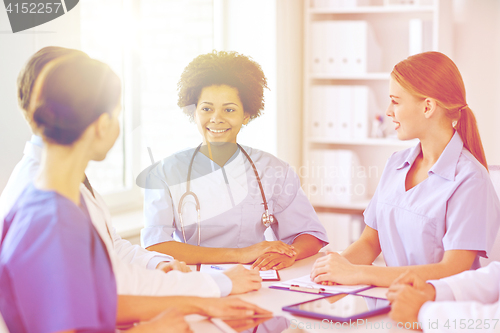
[305,284]
[269,275]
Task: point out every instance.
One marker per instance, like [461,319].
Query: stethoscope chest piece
[267,219]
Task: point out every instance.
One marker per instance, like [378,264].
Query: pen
[217,267]
[296,287]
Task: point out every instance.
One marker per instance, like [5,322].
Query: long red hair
[434,75]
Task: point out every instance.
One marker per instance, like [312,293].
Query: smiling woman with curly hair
[222,196]
[223,68]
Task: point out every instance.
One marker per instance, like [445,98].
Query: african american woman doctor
[218,199]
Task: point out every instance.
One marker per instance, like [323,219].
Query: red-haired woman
[435,208]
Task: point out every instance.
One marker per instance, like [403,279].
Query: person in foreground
[133,266]
[463,302]
[219,198]
[435,208]
[70,285]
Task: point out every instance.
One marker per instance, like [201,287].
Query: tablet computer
[340,307]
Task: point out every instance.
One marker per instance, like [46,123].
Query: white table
[274,299]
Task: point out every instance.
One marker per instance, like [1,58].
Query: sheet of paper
[305,282]
[265,275]
[378,292]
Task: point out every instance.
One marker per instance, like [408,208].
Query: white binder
[319,3]
[337,230]
[328,181]
[316,172]
[373,52]
[318,47]
[334,3]
[344,179]
[344,112]
[317,124]
[360,115]
[415,38]
[355,3]
[332,47]
[358,48]
[331,109]
[344,46]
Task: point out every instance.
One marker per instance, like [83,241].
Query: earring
[454,123]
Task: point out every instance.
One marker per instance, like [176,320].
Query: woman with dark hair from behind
[55,273]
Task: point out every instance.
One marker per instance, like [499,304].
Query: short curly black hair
[223,68]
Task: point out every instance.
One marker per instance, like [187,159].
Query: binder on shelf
[318,47]
[339,3]
[415,38]
[344,47]
[358,31]
[338,230]
[332,49]
[356,227]
[340,112]
[328,183]
[332,178]
[343,180]
[373,52]
[427,35]
[331,108]
[355,3]
[343,111]
[360,115]
[314,165]
[334,3]
[401,2]
[319,3]
[317,124]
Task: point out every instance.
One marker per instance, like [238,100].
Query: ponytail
[467,129]
[434,75]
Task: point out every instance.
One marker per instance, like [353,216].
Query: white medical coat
[129,261]
[470,298]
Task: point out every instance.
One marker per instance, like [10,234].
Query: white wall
[477,55]
[289,44]
[15,49]
[249,28]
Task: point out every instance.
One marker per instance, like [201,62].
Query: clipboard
[267,276]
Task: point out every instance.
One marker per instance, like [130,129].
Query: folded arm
[192,254]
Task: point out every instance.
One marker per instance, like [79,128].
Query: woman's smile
[219,113]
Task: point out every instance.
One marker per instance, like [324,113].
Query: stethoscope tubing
[267,218]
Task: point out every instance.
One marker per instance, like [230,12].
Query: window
[147,43]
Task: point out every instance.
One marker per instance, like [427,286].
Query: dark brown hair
[223,68]
[33,67]
[74,92]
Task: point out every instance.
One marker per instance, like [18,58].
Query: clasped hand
[407,294]
[270,255]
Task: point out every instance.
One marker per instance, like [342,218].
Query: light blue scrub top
[455,208]
[55,274]
[230,200]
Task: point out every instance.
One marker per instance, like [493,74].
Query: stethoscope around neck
[266,219]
